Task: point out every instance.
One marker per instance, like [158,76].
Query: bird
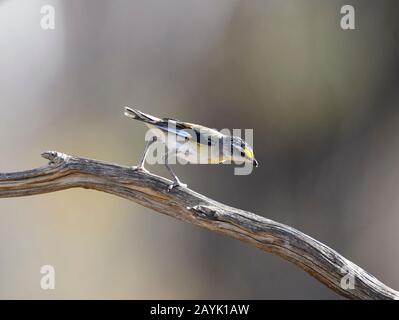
[192,143]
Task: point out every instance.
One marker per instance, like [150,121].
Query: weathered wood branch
[317,259]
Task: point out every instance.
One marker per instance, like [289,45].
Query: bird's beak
[255,163]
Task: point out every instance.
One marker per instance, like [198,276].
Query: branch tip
[54,156]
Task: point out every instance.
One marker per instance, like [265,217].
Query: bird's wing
[203,135]
[166,124]
[191,131]
[169,127]
[174,126]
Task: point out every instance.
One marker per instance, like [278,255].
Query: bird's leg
[140,166]
[176,180]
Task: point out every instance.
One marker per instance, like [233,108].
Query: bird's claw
[176,184]
[140,169]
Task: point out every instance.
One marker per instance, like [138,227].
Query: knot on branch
[55,157]
[205,212]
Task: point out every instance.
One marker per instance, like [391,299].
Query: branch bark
[321,262]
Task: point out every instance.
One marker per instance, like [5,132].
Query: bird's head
[240,151]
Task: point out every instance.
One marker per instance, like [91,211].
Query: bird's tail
[141,116]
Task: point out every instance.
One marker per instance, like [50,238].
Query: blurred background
[323,103]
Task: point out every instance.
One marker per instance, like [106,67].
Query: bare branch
[320,261]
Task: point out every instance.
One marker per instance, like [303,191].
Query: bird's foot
[140,169]
[176,184]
